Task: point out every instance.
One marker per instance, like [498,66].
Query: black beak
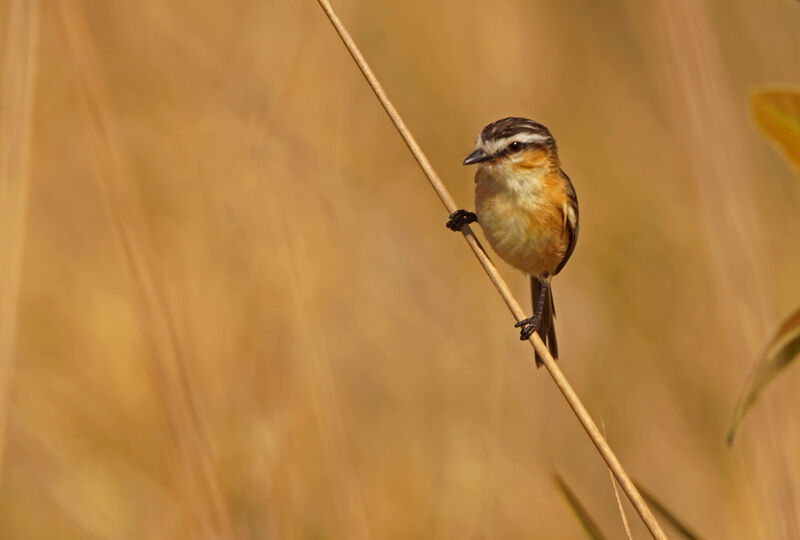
[476,157]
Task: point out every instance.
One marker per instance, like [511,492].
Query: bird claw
[459,218]
[529,326]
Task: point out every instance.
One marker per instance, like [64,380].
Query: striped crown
[497,136]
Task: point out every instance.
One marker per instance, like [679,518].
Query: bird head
[514,144]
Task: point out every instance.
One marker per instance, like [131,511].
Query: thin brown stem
[622,514]
[558,376]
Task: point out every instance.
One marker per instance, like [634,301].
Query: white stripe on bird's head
[495,146]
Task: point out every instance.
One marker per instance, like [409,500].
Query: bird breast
[522,217]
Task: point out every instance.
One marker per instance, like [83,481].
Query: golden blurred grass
[353,371]
[19,75]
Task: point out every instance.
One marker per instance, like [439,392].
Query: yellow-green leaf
[780,352]
[777,113]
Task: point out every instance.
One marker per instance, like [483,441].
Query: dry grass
[198,488]
[349,364]
[17,95]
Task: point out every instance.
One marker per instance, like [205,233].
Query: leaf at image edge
[777,113]
[780,352]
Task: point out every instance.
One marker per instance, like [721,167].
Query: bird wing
[570,211]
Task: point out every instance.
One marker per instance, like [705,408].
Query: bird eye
[514,146]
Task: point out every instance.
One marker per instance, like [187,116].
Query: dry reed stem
[619,501]
[621,509]
[18,93]
[558,376]
[168,362]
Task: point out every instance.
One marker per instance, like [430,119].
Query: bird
[528,210]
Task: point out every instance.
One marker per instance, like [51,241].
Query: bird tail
[547,330]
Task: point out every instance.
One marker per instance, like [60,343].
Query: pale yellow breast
[522,218]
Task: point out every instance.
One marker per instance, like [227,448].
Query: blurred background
[231,307]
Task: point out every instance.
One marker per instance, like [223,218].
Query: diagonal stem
[555,372]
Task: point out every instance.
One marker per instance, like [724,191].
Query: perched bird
[528,210]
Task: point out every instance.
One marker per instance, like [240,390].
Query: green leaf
[777,113]
[780,352]
[589,524]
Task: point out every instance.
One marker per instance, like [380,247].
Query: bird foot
[529,326]
[459,218]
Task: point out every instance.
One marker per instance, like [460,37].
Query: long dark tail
[547,330]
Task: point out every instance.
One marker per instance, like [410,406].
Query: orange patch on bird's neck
[536,158]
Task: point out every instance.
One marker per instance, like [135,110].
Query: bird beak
[476,157]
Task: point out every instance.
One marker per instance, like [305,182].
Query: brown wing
[572,228]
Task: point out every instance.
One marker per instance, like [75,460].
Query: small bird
[528,210]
